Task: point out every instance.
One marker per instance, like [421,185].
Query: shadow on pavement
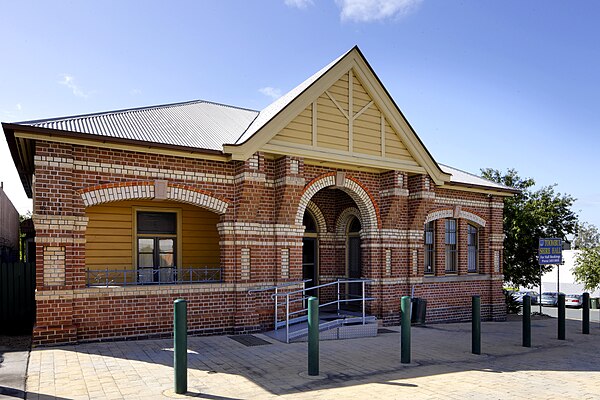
[436,349]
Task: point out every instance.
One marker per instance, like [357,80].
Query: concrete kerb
[369,367]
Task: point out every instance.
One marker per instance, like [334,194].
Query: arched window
[354,226]
[429,240]
[472,248]
[451,244]
[309,223]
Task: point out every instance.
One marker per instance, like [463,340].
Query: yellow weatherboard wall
[110,234]
[345,121]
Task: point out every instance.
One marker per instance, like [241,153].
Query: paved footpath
[442,367]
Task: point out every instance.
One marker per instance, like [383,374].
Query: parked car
[550,298]
[518,296]
[574,300]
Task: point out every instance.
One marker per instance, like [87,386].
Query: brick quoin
[260,204]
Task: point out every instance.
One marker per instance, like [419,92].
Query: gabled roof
[194,124]
[205,127]
[271,120]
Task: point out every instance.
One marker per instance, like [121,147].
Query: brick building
[135,208]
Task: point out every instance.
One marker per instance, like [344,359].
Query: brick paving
[442,367]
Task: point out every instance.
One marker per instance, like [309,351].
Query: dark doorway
[353,260]
[309,263]
[310,253]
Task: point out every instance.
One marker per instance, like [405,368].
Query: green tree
[586,237]
[587,268]
[528,216]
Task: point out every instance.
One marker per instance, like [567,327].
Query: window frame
[429,249]
[177,253]
[472,249]
[451,249]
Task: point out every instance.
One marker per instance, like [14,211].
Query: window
[472,248]
[450,241]
[156,246]
[429,247]
[309,223]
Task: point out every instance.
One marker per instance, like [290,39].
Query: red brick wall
[262,197]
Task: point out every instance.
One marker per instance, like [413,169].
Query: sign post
[549,253]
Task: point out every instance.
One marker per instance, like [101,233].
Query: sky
[500,84]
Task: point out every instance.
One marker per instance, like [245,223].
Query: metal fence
[17,297]
[153,276]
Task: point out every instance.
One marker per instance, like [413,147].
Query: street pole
[405,330]
[526,321]
[180,345]
[313,336]
[558,278]
[476,324]
[540,299]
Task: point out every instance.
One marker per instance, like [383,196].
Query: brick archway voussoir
[147,191]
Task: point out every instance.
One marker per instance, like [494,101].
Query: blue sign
[550,251]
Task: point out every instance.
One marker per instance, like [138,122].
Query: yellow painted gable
[347,123]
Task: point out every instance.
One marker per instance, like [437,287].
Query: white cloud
[274,93]
[69,81]
[301,4]
[375,10]
[18,107]
[135,92]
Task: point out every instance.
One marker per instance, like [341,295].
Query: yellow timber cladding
[328,123]
[111,233]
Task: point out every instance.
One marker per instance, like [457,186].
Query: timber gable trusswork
[328,182]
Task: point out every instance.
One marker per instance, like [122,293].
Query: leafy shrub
[512,306]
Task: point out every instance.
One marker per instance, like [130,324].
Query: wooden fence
[17,298]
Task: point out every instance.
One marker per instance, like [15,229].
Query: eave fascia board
[13,147]
[86,139]
[480,189]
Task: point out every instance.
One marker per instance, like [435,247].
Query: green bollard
[180,345]
[585,320]
[476,325]
[405,336]
[313,336]
[561,317]
[526,321]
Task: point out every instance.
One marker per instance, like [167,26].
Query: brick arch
[455,213]
[476,219]
[439,214]
[343,219]
[146,191]
[366,205]
[318,216]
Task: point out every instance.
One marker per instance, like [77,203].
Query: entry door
[354,270]
[309,263]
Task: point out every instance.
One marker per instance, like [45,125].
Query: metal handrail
[324,285]
[338,301]
[278,286]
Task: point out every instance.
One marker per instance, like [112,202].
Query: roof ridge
[133,109]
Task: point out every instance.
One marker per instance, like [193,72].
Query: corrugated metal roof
[466,178]
[204,125]
[198,124]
